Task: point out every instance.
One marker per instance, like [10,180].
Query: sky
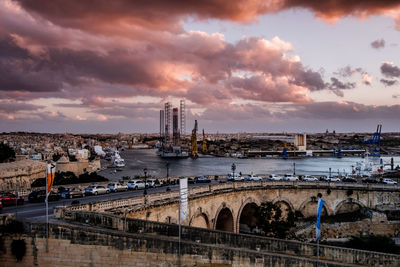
[241,65]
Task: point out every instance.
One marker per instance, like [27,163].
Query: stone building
[77,167]
[20,174]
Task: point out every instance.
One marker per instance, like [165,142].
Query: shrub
[18,248]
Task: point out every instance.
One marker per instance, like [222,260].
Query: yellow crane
[204,145]
[194,153]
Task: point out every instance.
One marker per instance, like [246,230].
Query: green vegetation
[6,153]
[271,222]
[374,243]
[64,178]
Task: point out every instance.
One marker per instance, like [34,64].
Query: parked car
[115,187]
[234,178]
[290,177]
[96,190]
[309,178]
[201,179]
[10,199]
[71,192]
[1,205]
[136,184]
[388,181]
[274,177]
[334,179]
[40,196]
[369,180]
[252,177]
[348,179]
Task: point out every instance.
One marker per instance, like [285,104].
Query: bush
[65,178]
[18,248]
[6,153]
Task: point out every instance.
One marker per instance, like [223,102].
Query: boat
[117,161]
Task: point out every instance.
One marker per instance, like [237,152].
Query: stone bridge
[231,206]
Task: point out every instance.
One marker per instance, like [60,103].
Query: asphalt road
[37,211]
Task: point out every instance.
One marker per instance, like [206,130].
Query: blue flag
[320,206]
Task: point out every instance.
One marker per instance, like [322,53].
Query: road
[37,211]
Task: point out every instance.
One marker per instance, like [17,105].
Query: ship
[172,152]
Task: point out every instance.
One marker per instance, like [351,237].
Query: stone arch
[285,205]
[224,218]
[247,220]
[200,219]
[309,208]
[348,205]
[239,214]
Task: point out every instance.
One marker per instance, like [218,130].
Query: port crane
[194,152]
[374,143]
[204,144]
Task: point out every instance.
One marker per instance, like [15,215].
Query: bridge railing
[223,187]
[215,237]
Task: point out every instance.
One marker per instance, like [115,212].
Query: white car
[236,178]
[309,178]
[274,177]
[289,177]
[136,184]
[334,179]
[115,187]
[388,181]
[252,177]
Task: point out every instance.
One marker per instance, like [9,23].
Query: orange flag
[51,169]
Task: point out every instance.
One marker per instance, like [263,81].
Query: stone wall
[83,246]
[78,167]
[236,241]
[20,174]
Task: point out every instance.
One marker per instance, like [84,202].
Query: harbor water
[138,160]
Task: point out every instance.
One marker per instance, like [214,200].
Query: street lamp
[145,181]
[233,170]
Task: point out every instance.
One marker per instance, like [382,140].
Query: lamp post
[233,170]
[145,181]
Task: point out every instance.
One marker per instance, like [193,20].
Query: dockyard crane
[375,142]
[194,153]
[204,145]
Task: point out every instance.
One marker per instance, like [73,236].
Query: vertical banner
[50,172]
[319,211]
[183,192]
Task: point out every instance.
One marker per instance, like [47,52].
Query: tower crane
[194,153]
[204,145]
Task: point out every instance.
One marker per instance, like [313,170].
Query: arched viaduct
[230,207]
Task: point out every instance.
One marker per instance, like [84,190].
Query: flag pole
[179,229]
[47,209]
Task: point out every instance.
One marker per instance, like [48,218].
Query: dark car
[201,179]
[71,192]
[369,180]
[10,199]
[349,180]
[40,196]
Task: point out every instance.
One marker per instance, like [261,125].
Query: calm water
[137,160]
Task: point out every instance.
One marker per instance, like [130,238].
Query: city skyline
[241,66]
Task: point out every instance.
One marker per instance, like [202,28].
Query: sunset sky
[87,66]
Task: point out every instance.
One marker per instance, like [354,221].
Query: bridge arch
[348,205]
[309,208]
[285,205]
[246,219]
[200,219]
[224,218]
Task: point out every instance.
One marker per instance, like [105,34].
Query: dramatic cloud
[389,70]
[337,86]
[161,15]
[388,82]
[377,44]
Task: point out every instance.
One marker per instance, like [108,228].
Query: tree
[269,219]
[6,153]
